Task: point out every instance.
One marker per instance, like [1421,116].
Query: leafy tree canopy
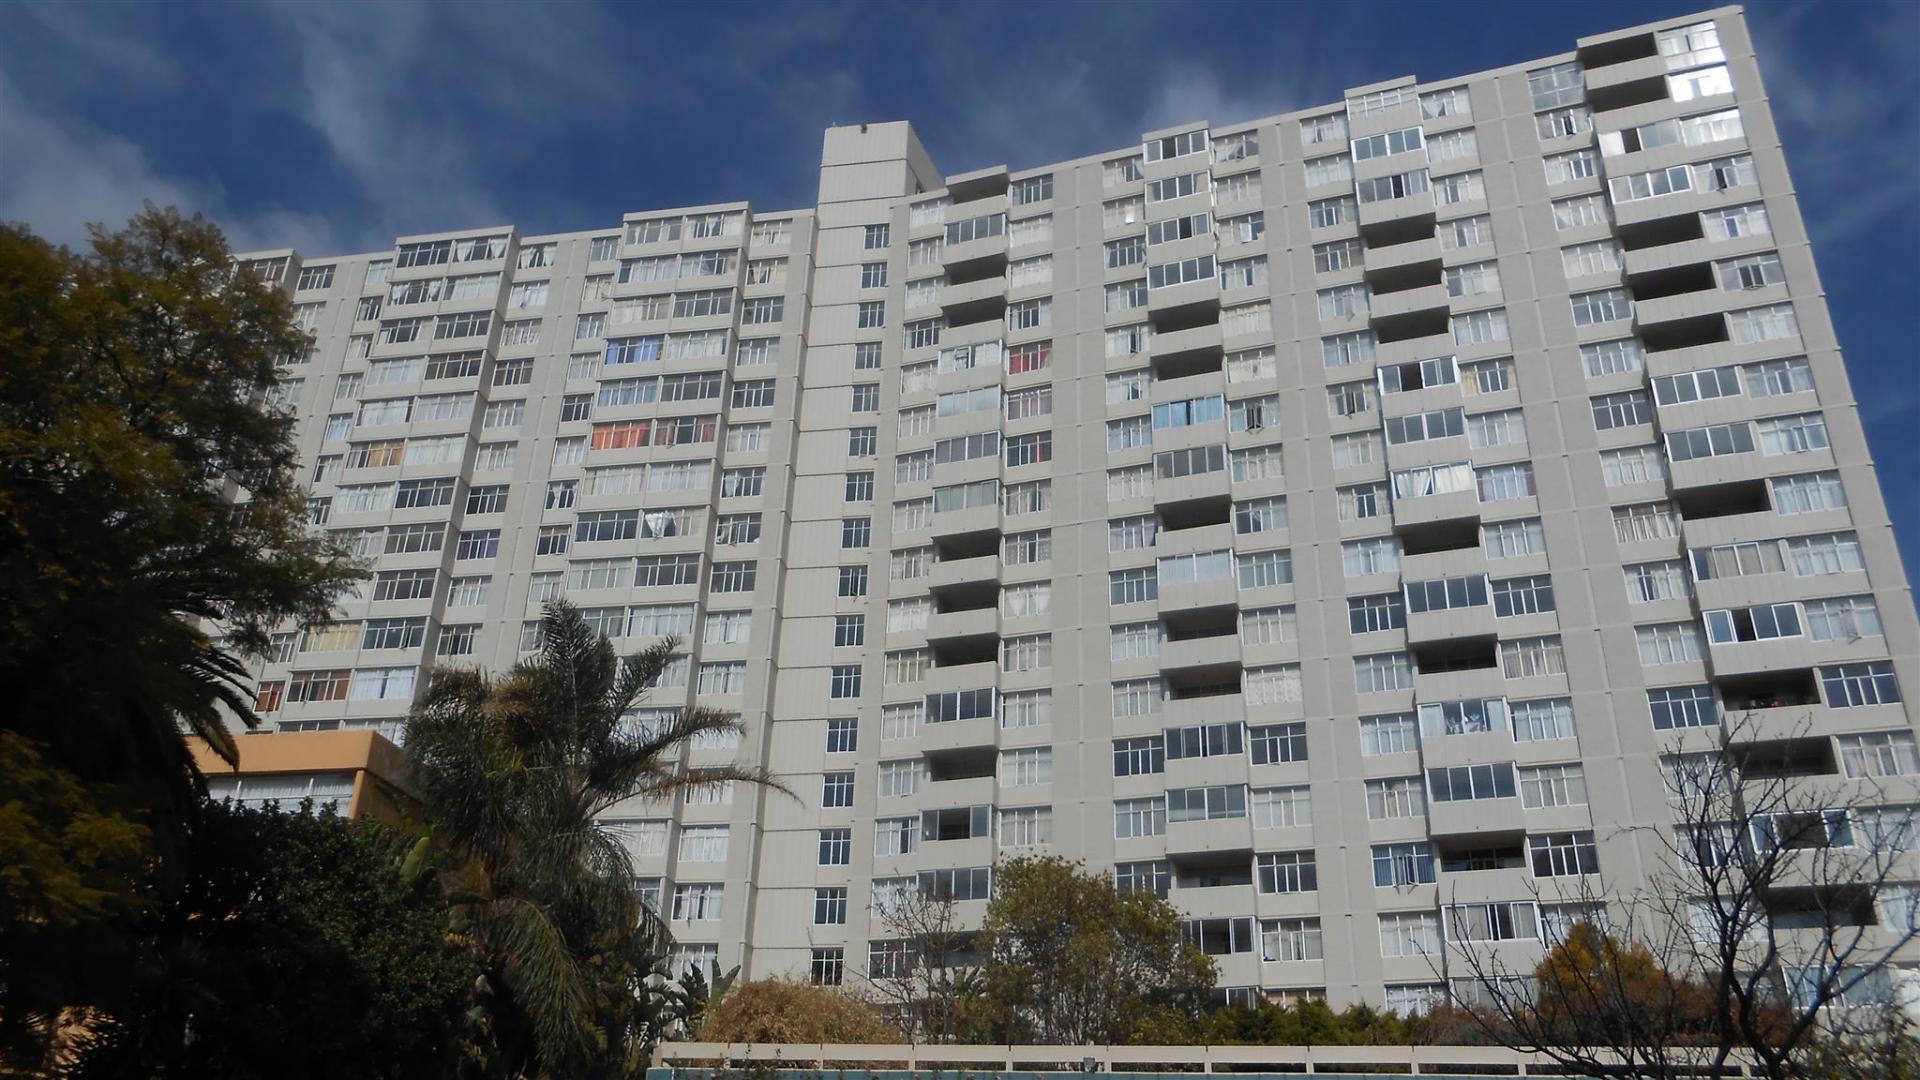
[302,946]
[131,382]
[1069,959]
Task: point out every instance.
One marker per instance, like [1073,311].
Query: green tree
[145,490]
[516,771]
[303,945]
[1067,958]
[144,487]
[62,860]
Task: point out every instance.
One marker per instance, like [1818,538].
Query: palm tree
[515,771]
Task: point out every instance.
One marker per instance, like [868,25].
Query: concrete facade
[1180,509]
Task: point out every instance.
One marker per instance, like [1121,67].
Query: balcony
[1420,250]
[1187,840]
[1188,596]
[1200,638]
[1183,306]
[966,566]
[958,791]
[973,260]
[1485,821]
[1195,350]
[1409,350]
[968,528]
[1428,627]
[973,187]
[1458,668]
[962,671]
[1194,498]
[1397,313]
[1202,703]
[1459,507]
[950,737]
[1209,529]
[959,625]
[981,300]
[1409,213]
[1735,483]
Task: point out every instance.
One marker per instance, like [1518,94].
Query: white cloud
[402,154]
[60,174]
[1841,124]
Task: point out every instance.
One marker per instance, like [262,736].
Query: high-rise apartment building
[1325,521]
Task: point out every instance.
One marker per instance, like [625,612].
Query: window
[1497,483]
[1532,657]
[1835,553]
[1264,569]
[844,681]
[699,902]
[836,789]
[1320,130]
[1132,586]
[382,684]
[1522,596]
[1027,826]
[1140,817]
[1029,449]
[1480,327]
[1382,672]
[1290,939]
[1595,257]
[1403,864]
[393,633]
[1376,555]
[1392,734]
[1344,301]
[1669,643]
[1420,427]
[1608,305]
[1549,718]
[1580,212]
[1026,709]
[1026,767]
[1807,493]
[1388,188]
[1792,434]
[1554,785]
[1682,707]
[1411,933]
[1879,754]
[836,847]
[1244,273]
[1850,685]
[1277,743]
[1333,170]
[1573,165]
[1649,582]
[1735,222]
[1139,756]
[1556,86]
[1465,783]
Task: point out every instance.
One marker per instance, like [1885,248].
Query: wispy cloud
[63,174]
[1837,120]
[405,153]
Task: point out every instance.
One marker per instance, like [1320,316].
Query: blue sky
[333,127]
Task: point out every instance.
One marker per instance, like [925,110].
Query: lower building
[356,773]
